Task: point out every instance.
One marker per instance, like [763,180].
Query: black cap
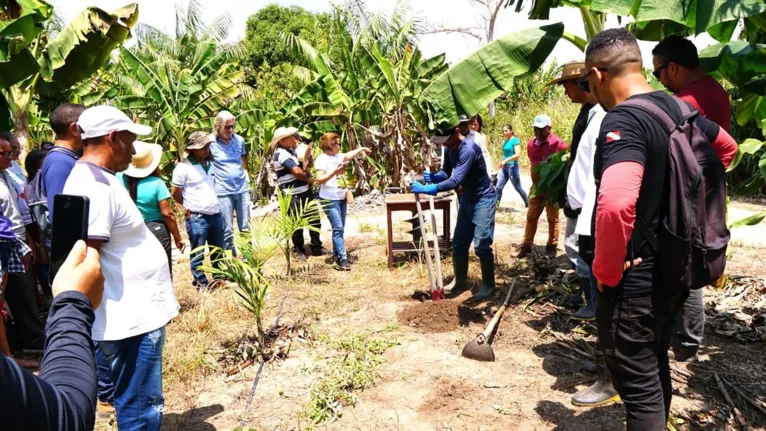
[442,133]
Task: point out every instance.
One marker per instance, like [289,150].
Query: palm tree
[178,83]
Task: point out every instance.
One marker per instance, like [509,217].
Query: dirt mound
[442,316]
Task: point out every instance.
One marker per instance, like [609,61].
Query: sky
[433,13]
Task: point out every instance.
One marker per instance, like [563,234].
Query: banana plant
[34,61]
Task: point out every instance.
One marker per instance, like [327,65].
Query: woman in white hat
[294,179]
[151,195]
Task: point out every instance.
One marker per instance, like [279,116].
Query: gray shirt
[10,207]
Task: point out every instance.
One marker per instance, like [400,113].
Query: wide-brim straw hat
[572,70]
[145,161]
[304,151]
[282,133]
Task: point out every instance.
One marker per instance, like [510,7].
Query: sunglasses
[583,83]
[658,71]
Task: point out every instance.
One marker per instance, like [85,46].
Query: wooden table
[406,202]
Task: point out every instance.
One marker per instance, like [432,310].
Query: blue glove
[434,177]
[428,189]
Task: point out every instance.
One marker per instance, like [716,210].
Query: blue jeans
[475,222]
[228,205]
[203,229]
[136,367]
[336,213]
[512,173]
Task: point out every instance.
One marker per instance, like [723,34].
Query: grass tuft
[353,369]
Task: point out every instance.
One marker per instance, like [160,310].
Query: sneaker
[345,265]
[524,251]
[104,410]
[551,250]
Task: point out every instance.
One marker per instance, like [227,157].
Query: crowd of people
[111,301]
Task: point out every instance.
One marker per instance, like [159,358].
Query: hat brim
[139,129]
[563,78]
[144,172]
[439,140]
[276,138]
[540,125]
[198,146]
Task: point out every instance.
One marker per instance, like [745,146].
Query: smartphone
[70,224]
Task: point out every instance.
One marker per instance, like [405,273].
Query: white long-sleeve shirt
[581,184]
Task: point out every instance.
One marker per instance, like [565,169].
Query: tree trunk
[21,127]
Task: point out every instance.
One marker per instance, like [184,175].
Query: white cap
[103,120]
[542,121]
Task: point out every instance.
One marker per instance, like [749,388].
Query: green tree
[36,58]
[265,28]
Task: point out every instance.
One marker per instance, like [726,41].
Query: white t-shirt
[330,190]
[138,293]
[581,185]
[197,187]
[481,140]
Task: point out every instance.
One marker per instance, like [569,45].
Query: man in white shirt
[138,294]
[581,198]
[193,188]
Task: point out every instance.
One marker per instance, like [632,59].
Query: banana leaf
[83,46]
[749,221]
[717,16]
[749,146]
[16,61]
[479,79]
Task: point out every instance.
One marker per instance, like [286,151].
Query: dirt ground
[422,382]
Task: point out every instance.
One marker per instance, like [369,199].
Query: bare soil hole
[442,316]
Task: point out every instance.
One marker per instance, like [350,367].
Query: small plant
[353,370]
[251,286]
[366,227]
[290,219]
[552,179]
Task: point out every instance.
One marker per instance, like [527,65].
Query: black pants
[298,202]
[160,230]
[690,326]
[20,295]
[635,335]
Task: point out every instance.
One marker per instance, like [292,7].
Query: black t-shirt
[630,134]
[580,124]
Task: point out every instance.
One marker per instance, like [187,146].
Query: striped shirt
[284,161]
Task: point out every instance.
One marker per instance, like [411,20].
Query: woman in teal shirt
[509,166]
[151,195]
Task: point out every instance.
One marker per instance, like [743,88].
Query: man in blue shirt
[64,154]
[463,165]
[232,184]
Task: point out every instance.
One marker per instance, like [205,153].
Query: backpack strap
[655,111]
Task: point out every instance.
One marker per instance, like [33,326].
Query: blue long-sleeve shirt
[465,167]
[63,397]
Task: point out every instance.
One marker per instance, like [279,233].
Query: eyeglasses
[229,127]
[5,153]
[583,83]
[658,71]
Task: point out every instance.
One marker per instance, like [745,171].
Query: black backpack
[693,236]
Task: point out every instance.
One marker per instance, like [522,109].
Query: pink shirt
[538,152]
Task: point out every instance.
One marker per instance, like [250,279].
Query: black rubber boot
[460,282]
[588,311]
[600,393]
[487,281]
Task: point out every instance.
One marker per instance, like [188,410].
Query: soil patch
[449,395]
[442,316]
